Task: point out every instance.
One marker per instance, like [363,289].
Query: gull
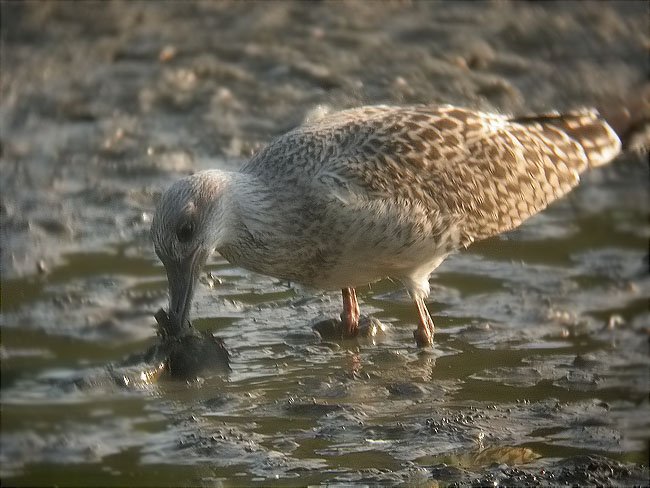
[374,192]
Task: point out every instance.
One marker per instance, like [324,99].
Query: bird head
[187,226]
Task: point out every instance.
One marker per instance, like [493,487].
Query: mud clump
[185,352]
[180,353]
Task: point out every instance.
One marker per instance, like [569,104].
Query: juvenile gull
[374,192]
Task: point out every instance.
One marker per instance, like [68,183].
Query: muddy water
[540,372]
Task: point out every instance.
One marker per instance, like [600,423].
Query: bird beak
[182,277]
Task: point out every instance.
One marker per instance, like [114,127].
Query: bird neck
[244,207]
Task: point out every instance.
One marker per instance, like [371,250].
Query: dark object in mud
[185,351]
[168,327]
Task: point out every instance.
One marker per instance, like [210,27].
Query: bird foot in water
[333,329]
[423,338]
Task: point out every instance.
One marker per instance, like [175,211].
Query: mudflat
[539,373]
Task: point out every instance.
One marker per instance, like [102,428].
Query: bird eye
[185,231]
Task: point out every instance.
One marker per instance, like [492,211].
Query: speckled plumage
[367,193]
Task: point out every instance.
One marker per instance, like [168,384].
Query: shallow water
[540,363]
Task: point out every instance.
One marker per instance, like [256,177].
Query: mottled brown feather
[487,172]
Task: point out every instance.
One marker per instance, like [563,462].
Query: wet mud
[539,375]
[185,352]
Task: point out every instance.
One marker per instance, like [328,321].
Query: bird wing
[488,172]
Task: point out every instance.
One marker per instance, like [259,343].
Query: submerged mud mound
[185,352]
[180,352]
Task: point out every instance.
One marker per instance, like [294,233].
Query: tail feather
[587,128]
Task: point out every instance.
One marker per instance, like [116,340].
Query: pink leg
[424,333]
[351,314]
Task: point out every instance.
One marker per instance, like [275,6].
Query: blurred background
[541,367]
